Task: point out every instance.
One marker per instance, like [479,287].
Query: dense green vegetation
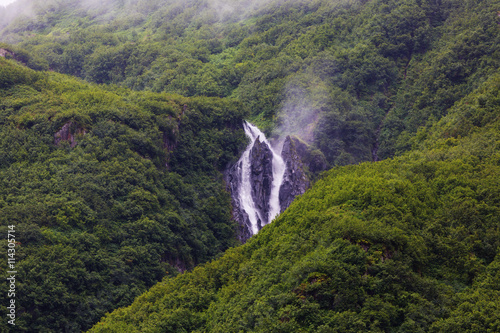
[132,199]
[360,76]
[113,180]
[403,245]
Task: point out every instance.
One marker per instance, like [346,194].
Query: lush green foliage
[360,76]
[134,192]
[408,245]
[104,217]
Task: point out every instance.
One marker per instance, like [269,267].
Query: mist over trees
[118,118]
[360,67]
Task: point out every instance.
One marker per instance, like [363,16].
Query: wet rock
[232,177]
[68,132]
[295,181]
[261,177]
[257,183]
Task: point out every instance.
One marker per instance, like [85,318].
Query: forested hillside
[354,78]
[403,245]
[117,119]
[109,191]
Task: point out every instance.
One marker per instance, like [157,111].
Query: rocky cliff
[261,178]
[295,181]
[251,178]
[68,132]
[233,181]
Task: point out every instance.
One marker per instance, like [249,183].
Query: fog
[108,10]
[235,9]
[11,9]
[306,98]
[6,2]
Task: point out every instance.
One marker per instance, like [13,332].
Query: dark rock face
[232,177]
[260,166]
[68,133]
[261,178]
[295,181]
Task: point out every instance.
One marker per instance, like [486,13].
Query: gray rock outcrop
[295,181]
[232,178]
[68,132]
[252,191]
[261,178]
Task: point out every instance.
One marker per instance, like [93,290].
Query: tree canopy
[117,119]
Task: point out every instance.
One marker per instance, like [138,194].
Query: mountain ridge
[409,243]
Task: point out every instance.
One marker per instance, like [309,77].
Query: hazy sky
[6,2]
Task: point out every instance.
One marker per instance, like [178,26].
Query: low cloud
[306,99]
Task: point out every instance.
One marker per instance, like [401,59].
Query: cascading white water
[278,173]
[245,191]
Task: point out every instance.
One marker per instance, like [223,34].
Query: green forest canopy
[117,185]
[124,198]
[409,244]
[374,72]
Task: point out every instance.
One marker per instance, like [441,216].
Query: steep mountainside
[403,245]
[109,190]
[113,178]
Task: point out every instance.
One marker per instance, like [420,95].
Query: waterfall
[278,173]
[256,216]
[264,181]
[246,200]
